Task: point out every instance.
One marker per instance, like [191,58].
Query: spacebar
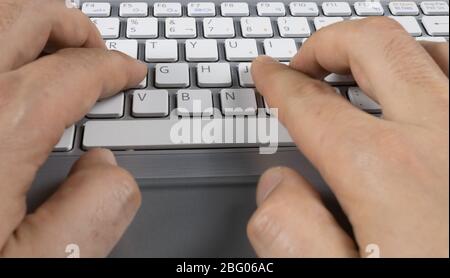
[183,134]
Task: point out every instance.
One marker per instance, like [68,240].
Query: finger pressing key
[325,126]
[41,99]
[389,65]
[54,26]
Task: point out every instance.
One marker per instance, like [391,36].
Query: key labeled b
[194,103]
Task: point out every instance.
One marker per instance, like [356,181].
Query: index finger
[386,62]
[29,26]
[39,101]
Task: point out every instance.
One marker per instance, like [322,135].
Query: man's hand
[390,175]
[38,100]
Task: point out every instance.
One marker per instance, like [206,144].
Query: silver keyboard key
[336,9]
[241,49]
[238,102]
[65,144]
[133,9]
[271,9]
[96,9]
[359,99]
[150,103]
[235,9]
[109,28]
[161,51]
[339,79]
[174,75]
[140,134]
[434,7]
[431,39]
[410,24]
[404,8]
[165,9]
[201,51]
[256,27]
[245,75]
[196,103]
[214,75]
[218,27]
[129,47]
[281,49]
[304,9]
[179,28]
[436,25]
[201,9]
[142,28]
[369,8]
[322,21]
[108,108]
[294,27]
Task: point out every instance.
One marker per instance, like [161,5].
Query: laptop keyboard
[201,52]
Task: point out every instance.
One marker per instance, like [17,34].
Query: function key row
[240,9]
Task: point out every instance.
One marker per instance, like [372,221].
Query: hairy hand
[39,98]
[390,175]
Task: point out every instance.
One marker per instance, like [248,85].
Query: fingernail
[268,182]
[264,59]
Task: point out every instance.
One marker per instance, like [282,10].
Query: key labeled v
[142,96]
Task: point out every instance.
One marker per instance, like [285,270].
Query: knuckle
[306,91]
[80,60]
[382,24]
[309,92]
[398,50]
[313,87]
[123,187]
[397,47]
[86,56]
[115,55]
[392,36]
[81,31]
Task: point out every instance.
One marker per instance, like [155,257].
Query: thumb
[91,210]
[291,220]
